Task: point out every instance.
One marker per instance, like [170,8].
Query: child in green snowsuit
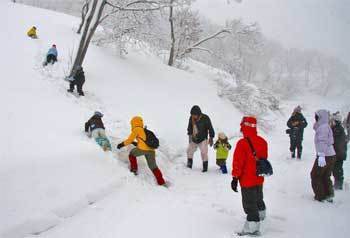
[222,148]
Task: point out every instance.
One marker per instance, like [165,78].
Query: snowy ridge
[55,182]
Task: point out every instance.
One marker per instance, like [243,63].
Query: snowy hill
[55,182]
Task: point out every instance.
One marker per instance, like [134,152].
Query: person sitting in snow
[340,147]
[296,123]
[199,127]
[51,56]
[323,166]
[244,171]
[142,149]
[222,147]
[94,128]
[78,79]
[32,33]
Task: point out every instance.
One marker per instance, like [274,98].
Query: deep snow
[55,182]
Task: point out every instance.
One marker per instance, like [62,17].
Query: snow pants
[253,202]
[51,59]
[79,84]
[296,143]
[203,147]
[338,174]
[321,179]
[151,162]
[100,137]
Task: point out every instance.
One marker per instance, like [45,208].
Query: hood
[248,126]
[196,110]
[136,122]
[323,117]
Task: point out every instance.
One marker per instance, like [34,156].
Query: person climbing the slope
[143,148]
[199,126]
[94,128]
[222,147]
[323,166]
[51,56]
[296,123]
[340,147]
[244,170]
[78,79]
[32,33]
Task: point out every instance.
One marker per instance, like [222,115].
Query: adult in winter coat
[51,56]
[142,149]
[324,163]
[32,33]
[199,127]
[94,128]
[78,80]
[296,123]
[340,147]
[244,171]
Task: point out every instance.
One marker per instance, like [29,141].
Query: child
[32,33]
[51,56]
[94,128]
[222,148]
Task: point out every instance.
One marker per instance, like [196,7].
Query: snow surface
[55,182]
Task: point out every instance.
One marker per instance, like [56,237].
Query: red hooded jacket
[244,163]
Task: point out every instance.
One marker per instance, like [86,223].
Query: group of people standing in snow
[331,149]
[76,80]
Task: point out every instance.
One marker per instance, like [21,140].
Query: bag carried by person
[263,166]
[151,139]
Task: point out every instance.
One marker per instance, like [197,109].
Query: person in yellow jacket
[142,149]
[32,33]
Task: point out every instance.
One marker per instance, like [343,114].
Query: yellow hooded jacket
[31,32]
[138,133]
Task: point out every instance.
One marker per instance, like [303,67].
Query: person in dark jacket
[78,80]
[199,127]
[340,147]
[94,128]
[296,123]
[347,127]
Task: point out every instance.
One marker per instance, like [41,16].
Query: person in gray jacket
[322,170]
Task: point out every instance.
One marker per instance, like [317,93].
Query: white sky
[315,24]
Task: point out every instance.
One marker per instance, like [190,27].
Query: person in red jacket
[244,171]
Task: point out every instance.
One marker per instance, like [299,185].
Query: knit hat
[297,109]
[222,136]
[337,117]
[249,121]
[196,110]
[54,45]
[99,114]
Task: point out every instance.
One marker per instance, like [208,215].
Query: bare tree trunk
[84,11]
[172,34]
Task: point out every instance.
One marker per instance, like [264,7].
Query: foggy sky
[311,24]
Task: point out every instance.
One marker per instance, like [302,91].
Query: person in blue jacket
[51,56]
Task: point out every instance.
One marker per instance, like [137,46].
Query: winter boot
[250,228]
[223,169]
[293,154]
[70,90]
[262,215]
[299,155]
[159,176]
[205,166]
[338,185]
[133,164]
[189,163]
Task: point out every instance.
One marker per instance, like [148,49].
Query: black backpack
[151,139]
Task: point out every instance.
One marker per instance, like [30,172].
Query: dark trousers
[338,173]
[79,84]
[296,143]
[321,179]
[51,59]
[253,202]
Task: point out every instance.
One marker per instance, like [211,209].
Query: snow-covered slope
[55,182]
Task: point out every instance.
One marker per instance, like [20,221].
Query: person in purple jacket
[324,163]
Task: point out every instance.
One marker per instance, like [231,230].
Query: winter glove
[120,145]
[134,143]
[234,184]
[211,142]
[322,161]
